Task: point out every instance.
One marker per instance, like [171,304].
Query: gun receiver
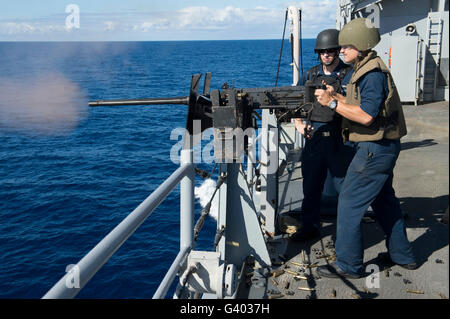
[286,101]
[310,88]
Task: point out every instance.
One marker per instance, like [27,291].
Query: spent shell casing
[306,288]
[301,277]
[262,221]
[270,234]
[333,293]
[274,281]
[419,292]
[292,272]
[297,264]
[277,272]
[276,296]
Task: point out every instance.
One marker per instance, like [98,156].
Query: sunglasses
[327,51]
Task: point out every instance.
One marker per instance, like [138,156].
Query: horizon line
[75,41]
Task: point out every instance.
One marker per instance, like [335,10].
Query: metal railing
[88,266]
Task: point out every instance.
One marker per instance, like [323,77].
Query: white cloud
[154,24]
[192,22]
[316,16]
[110,25]
[317,13]
[11,28]
[202,17]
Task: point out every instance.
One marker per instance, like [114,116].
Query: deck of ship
[422,185]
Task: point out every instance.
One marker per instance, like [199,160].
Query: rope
[281,50]
[207,208]
[203,173]
[308,122]
[218,236]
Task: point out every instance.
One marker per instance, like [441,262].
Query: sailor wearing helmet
[373,121]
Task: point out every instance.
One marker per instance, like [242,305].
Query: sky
[157,20]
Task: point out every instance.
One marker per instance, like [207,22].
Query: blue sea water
[63,189]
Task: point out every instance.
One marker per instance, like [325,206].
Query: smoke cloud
[47,104]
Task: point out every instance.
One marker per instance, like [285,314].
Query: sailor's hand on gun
[324,97]
[303,128]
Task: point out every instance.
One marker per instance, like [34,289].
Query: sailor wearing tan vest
[373,123]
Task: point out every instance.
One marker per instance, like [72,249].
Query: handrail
[100,254]
[171,273]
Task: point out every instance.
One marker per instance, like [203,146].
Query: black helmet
[327,39]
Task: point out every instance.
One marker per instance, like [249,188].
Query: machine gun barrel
[153,101]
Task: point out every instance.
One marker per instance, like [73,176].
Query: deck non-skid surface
[422,186]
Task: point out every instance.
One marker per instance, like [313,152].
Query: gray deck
[422,185]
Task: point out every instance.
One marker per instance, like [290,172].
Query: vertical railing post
[251,159]
[187,201]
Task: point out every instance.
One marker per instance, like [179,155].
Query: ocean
[69,173]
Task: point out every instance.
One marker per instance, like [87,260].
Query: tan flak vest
[390,122]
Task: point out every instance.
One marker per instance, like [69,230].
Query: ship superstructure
[414,43]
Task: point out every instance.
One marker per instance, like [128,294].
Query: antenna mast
[294,15]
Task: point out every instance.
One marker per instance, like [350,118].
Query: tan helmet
[360,34]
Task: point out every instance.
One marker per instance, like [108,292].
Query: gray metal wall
[413,57]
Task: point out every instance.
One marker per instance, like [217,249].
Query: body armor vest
[390,121]
[322,113]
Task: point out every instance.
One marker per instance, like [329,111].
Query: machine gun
[232,108]
[287,101]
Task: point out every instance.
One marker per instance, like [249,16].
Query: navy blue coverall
[369,182]
[323,152]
